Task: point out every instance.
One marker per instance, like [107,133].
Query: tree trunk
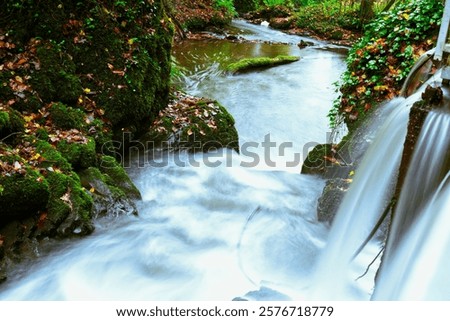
[389,5]
[366,11]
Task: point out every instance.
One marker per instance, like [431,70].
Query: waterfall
[369,193]
[338,274]
[414,263]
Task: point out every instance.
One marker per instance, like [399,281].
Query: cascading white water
[425,172]
[337,273]
[362,205]
[187,243]
[415,264]
[419,268]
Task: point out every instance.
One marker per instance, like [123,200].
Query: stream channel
[222,231]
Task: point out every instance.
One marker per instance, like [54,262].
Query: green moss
[115,175]
[56,79]
[79,155]
[247,64]
[4,120]
[11,122]
[316,161]
[42,133]
[92,177]
[66,117]
[66,196]
[22,195]
[200,133]
[52,157]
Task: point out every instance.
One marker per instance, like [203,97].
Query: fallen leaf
[17,165]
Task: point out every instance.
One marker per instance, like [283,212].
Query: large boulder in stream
[195,124]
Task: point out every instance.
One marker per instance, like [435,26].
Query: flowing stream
[196,237]
[212,229]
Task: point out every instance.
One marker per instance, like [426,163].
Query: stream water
[225,231]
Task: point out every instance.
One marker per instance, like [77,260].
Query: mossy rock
[281,23]
[115,175]
[11,121]
[52,157]
[208,125]
[79,155]
[66,117]
[22,195]
[317,160]
[248,64]
[111,200]
[56,79]
[223,136]
[69,207]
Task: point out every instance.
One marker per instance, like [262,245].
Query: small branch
[370,264]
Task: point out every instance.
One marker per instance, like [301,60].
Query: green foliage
[325,18]
[379,62]
[273,3]
[227,4]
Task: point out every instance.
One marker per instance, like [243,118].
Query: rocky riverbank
[79,85]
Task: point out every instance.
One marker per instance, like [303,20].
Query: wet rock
[231,37]
[433,95]
[303,44]
[108,199]
[263,294]
[320,159]
[332,195]
[281,23]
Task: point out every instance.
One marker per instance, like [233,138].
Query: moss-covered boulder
[197,124]
[56,79]
[69,207]
[66,117]
[116,54]
[79,154]
[22,195]
[74,77]
[108,198]
[11,122]
[115,175]
[248,64]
